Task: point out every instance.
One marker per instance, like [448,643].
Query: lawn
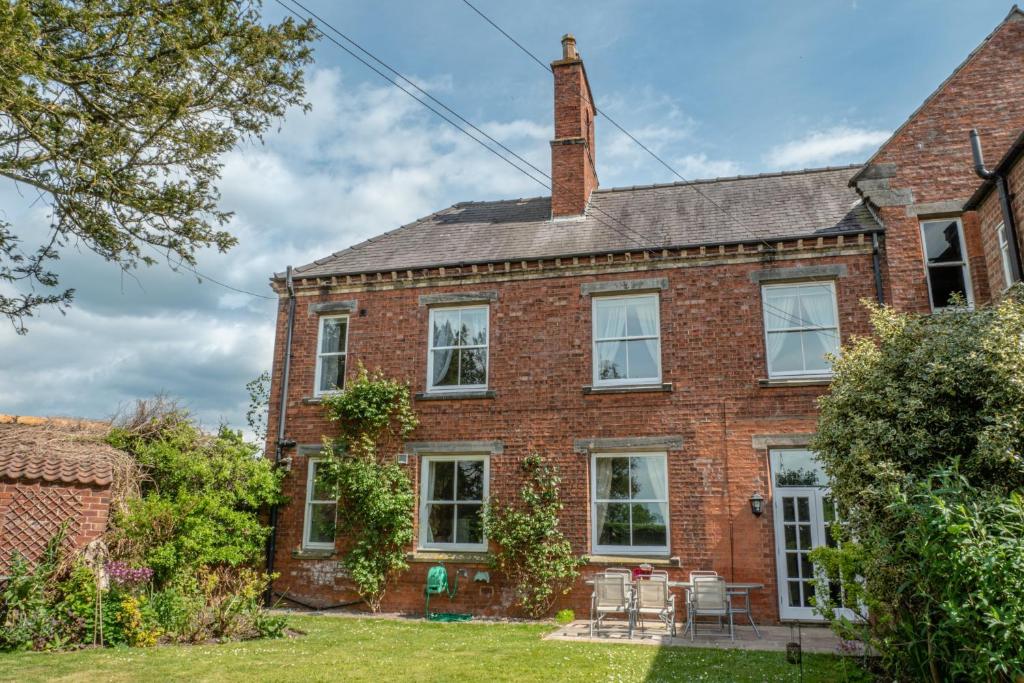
[385,651]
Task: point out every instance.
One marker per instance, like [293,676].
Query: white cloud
[819,148]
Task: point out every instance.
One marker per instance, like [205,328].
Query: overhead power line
[625,132]
[308,15]
[317,21]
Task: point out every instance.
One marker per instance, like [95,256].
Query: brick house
[53,471]
[664,345]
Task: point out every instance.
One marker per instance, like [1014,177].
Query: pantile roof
[769,207]
[55,450]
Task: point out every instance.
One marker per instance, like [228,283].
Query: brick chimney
[573,174]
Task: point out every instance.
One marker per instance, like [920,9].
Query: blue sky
[715,88]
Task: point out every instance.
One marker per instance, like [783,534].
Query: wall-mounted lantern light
[757,504]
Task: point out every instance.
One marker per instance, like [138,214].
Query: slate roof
[767,207]
[55,450]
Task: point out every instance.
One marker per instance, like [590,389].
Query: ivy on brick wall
[528,547]
[375,496]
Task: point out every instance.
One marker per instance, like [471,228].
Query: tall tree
[115,113]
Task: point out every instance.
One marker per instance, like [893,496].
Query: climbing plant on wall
[375,496]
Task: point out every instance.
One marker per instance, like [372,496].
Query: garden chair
[653,597]
[709,597]
[612,595]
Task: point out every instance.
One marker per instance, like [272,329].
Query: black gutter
[1004,203]
[281,443]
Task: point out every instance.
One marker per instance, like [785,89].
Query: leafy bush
[922,436]
[200,501]
[565,616]
[375,496]
[375,513]
[529,548]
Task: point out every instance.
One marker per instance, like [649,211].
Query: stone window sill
[633,560]
[665,388]
[455,395]
[445,556]
[795,382]
[312,400]
[313,554]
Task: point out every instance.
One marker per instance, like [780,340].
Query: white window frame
[320,355]
[831,286]
[964,264]
[1003,242]
[598,549]
[595,371]
[425,501]
[310,502]
[446,388]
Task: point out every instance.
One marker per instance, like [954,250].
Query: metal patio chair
[612,595]
[709,597]
[653,597]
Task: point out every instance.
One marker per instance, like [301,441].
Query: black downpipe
[876,265]
[280,445]
[1004,204]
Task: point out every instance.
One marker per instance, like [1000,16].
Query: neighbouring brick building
[53,471]
[664,345]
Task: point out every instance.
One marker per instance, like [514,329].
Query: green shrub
[200,500]
[565,616]
[922,436]
[376,501]
[529,548]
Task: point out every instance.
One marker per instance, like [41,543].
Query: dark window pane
[788,513]
[442,480]
[808,593]
[805,536]
[803,506]
[469,528]
[474,366]
[790,532]
[794,594]
[470,484]
[446,368]
[792,565]
[332,373]
[613,523]
[321,522]
[620,477]
[440,522]
[805,566]
[649,527]
[321,489]
[946,282]
[942,242]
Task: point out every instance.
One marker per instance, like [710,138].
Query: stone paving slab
[773,638]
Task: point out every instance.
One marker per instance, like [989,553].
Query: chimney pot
[569,47]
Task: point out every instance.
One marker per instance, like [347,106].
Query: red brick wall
[32,511]
[929,159]
[991,216]
[573,171]
[540,350]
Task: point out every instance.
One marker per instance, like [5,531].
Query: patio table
[734,589]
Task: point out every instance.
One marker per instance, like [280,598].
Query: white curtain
[603,492]
[611,322]
[647,315]
[442,361]
[658,473]
[817,306]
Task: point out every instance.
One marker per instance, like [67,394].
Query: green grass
[385,651]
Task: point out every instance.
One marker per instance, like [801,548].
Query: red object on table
[642,570]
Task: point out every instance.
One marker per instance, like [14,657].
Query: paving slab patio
[773,638]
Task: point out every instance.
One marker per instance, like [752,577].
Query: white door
[804,514]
